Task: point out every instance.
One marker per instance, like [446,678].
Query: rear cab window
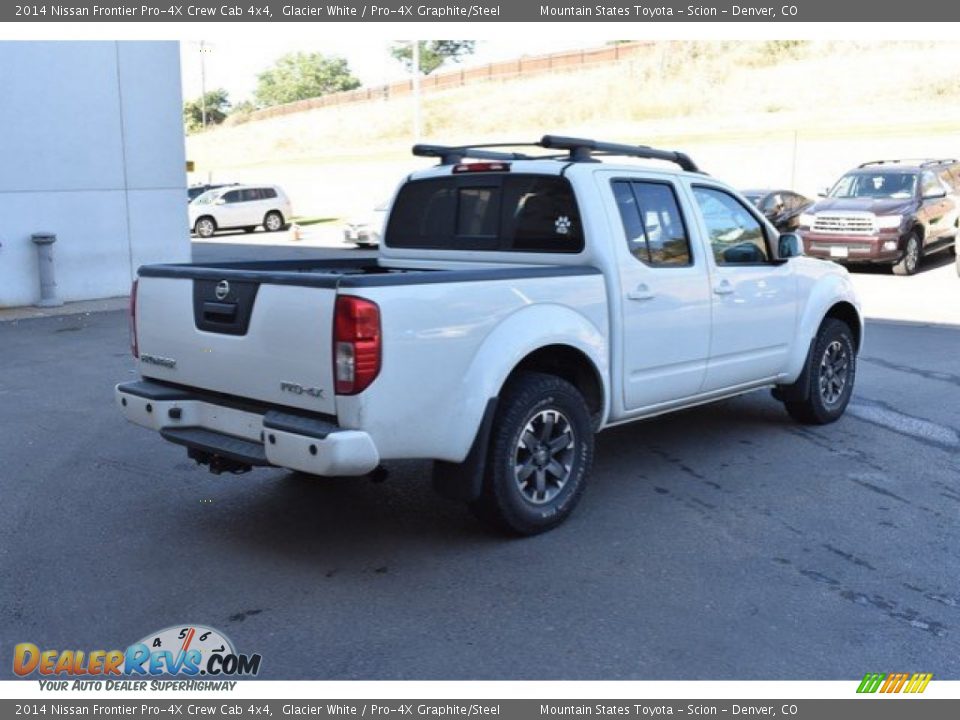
[652,222]
[495,212]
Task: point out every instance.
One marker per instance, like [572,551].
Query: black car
[781,207]
[195,191]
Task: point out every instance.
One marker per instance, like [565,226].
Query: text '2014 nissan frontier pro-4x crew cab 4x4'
[519,304]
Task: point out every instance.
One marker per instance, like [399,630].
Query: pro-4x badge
[298,389]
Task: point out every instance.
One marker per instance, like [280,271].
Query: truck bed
[265,330]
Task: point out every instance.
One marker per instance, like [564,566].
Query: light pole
[416,91]
[203,84]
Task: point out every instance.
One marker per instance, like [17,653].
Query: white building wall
[92,149]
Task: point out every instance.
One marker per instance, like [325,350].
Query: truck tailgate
[243,337]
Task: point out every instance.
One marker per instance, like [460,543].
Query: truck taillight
[133,320]
[356,344]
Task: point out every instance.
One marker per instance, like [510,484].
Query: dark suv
[889,211]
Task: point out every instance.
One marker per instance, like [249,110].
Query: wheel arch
[206,216]
[829,295]
[847,313]
[570,364]
[566,344]
[542,337]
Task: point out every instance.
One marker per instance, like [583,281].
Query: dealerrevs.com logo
[181,650]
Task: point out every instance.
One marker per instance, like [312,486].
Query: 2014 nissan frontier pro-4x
[519,304]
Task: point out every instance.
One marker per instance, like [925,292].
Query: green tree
[217,107]
[244,107]
[300,75]
[433,53]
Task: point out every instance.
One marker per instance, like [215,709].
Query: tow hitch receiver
[218,464]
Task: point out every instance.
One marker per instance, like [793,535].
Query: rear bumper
[858,248]
[257,436]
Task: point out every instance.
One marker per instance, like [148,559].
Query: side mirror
[219,201]
[789,245]
[824,193]
[745,252]
[935,195]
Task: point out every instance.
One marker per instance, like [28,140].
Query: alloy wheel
[205,228]
[543,459]
[913,254]
[834,372]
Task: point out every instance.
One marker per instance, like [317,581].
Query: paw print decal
[562,225]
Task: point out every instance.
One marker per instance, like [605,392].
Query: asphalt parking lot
[722,542]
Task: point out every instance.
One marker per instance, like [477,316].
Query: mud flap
[799,390]
[464,481]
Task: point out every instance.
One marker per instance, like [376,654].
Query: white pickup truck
[519,304]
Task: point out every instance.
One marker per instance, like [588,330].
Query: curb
[72,308]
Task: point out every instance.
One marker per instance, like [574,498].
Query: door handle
[723,288]
[642,292]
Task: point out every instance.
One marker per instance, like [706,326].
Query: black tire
[912,254]
[205,226]
[830,389]
[250,228]
[537,407]
[273,221]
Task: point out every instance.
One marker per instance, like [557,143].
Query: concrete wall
[91,148]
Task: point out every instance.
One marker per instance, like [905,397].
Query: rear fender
[526,330]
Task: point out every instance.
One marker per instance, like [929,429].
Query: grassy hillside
[720,97]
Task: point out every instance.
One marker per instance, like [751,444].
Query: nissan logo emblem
[223,289]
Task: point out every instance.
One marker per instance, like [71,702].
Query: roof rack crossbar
[576,149]
[581,150]
[453,155]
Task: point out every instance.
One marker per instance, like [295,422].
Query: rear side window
[519,213]
[656,234]
[250,195]
[268,193]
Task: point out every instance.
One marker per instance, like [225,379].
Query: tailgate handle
[219,312]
